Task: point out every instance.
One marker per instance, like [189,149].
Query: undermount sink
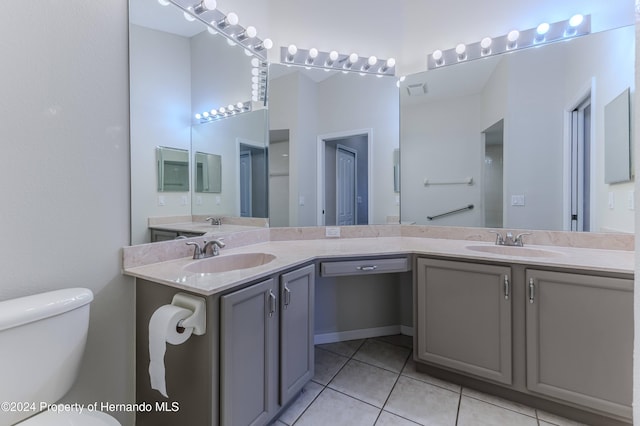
[515,251]
[231,262]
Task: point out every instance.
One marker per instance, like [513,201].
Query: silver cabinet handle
[367,268]
[272,303]
[532,290]
[506,287]
[287,296]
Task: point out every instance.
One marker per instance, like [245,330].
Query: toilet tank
[42,340]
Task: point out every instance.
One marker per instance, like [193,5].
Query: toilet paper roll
[163,329]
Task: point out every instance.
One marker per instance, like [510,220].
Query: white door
[245,183]
[345,186]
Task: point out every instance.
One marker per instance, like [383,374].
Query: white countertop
[290,254]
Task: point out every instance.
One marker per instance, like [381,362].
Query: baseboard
[364,333]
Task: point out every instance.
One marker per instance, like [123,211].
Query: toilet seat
[51,418]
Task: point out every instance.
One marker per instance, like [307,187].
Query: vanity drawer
[364,266]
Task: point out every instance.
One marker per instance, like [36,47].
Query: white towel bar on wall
[465,181]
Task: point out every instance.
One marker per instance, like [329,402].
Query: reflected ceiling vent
[417,89]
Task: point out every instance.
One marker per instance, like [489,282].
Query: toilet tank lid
[23,310]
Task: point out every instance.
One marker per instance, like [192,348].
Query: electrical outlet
[631,200]
[517,200]
[332,232]
[612,201]
[199,200]
[183,200]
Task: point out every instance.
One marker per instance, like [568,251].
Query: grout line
[505,408]
[459,405]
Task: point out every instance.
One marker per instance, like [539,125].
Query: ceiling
[404,29]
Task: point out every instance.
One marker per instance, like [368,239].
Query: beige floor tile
[398,340]
[365,382]
[474,412]
[346,348]
[327,364]
[388,419]
[557,420]
[501,402]
[336,409]
[310,391]
[383,355]
[410,371]
[423,403]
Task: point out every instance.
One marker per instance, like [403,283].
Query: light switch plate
[301,200]
[161,200]
[332,232]
[218,200]
[612,201]
[631,200]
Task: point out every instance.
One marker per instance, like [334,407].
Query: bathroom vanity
[550,326]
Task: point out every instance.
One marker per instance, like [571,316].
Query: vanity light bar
[226,25]
[577,25]
[259,79]
[230,110]
[313,58]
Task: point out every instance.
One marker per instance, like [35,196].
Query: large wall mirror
[177,69]
[520,137]
[332,141]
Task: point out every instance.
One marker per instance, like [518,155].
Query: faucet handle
[197,250]
[499,238]
[518,241]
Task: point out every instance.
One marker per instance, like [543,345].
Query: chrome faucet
[215,220]
[215,246]
[197,250]
[509,240]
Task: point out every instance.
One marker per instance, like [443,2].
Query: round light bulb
[211,30]
[205,114]
[209,4]
[254,93]
[254,98]
[255,62]
[576,20]
[372,61]
[292,49]
[333,55]
[353,58]
[542,28]
[255,79]
[255,71]
[313,53]
[485,43]
[254,86]
[437,55]
[198,116]
[248,52]
[231,42]
[232,19]
[391,62]
[164,2]
[403,78]
[267,43]
[461,48]
[251,31]
[214,112]
[513,35]
[230,107]
[222,110]
[188,16]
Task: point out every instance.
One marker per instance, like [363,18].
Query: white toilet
[42,340]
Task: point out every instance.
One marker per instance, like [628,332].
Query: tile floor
[374,382]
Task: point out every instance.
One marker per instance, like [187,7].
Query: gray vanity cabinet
[266,347]
[248,355]
[296,331]
[463,317]
[580,339]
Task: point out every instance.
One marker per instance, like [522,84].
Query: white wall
[65,210]
[635,119]
[160,84]
[441,141]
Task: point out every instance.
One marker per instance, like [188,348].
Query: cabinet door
[580,339]
[464,317]
[248,355]
[296,331]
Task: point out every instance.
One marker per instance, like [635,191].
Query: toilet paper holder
[198,320]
